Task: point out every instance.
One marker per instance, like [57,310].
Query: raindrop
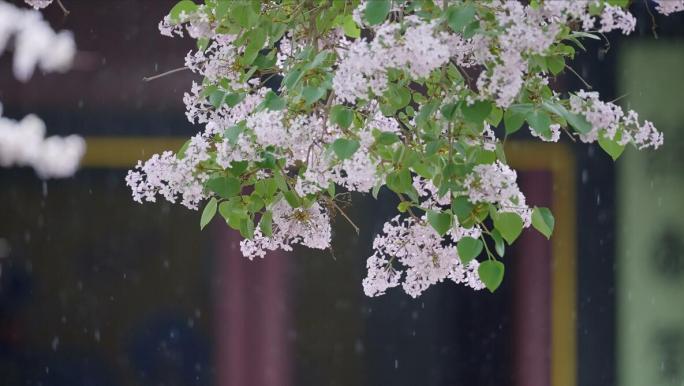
[4,248]
[358,346]
[396,363]
[55,343]
[45,188]
[96,335]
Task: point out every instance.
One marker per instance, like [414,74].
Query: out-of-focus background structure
[98,290]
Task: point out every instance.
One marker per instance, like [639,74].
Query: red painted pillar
[251,316]
[531,357]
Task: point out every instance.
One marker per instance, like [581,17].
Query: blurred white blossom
[23,143]
[33,41]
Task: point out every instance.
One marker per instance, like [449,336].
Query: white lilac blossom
[615,18]
[414,252]
[420,48]
[309,227]
[23,143]
[38,4]
[667,7]
[496,184]
[33,42]
[609,120]
[408,96]
[172,176]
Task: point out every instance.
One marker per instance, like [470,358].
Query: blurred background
[98,290]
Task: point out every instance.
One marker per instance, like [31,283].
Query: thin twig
[579,76]
[569,134]
[163,74]
[334,204]
[620,97]
[654,25]
[410,212]
[66,11]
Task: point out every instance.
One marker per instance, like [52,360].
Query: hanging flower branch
[372,94]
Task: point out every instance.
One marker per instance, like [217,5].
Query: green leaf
[225,187]
[345,148]
[440,221]
[265,61]
[403,206]
[265,188]
[509,225]
[459,17]
[273,102]
[499,245]
[462,208]
[312,94]
[398,97]
[611,146]
[543,221]
[556,64]
[232,133]
[468,249]
[448,110]
[376,11]
[491,273]
[293,77]
[350,28]
[495,116]
[477,112]
[540,122]
[243,12]
[208,212]
[513,121]
[292,199]
[233,212]
[280,181]
[256,40]
[387,138]
[186,6]
[578,122]
[247,228]
[266,223]
[342,116]
[180,154]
